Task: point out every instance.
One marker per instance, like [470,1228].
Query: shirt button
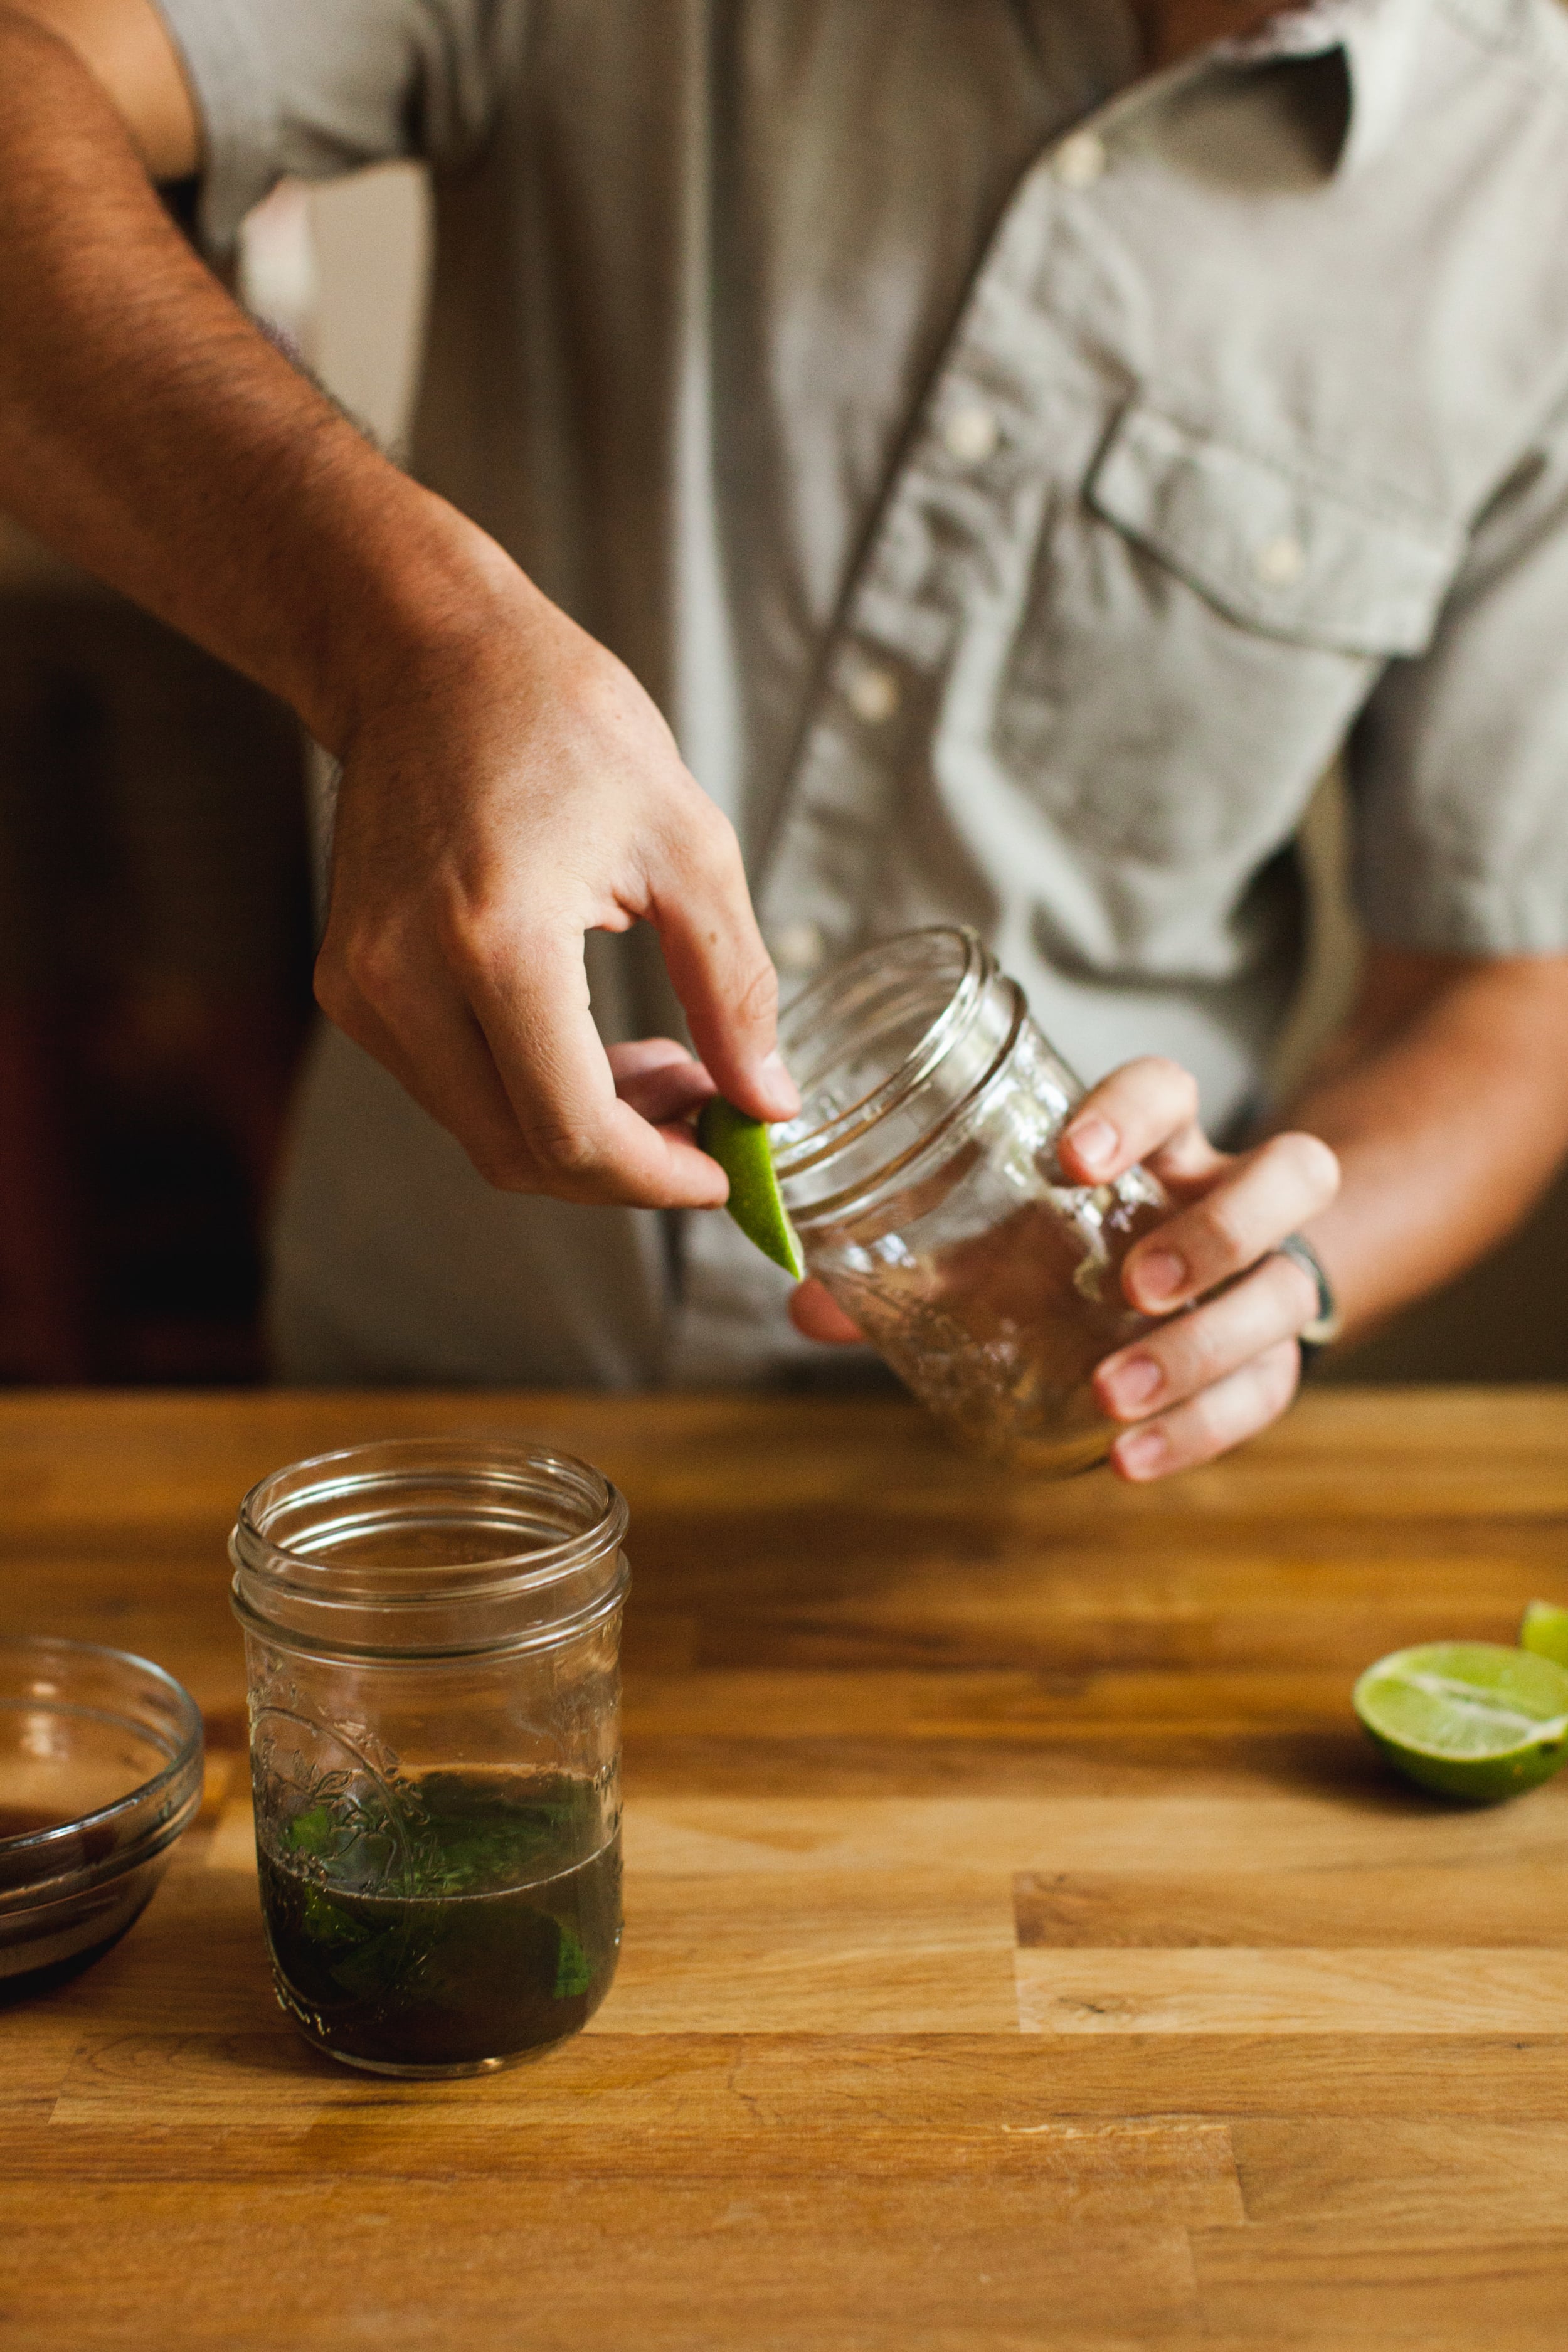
[1280,562]
[873,695]
[972,434]
[799,947]
[1079,161]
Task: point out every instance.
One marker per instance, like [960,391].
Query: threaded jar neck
[422,1548]
[888,1050]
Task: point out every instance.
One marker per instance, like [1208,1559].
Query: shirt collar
[1379,39]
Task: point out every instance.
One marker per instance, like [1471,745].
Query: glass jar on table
[432,1645]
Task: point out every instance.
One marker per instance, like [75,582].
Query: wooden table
[1023,1947]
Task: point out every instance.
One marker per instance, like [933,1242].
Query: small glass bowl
[101,1771]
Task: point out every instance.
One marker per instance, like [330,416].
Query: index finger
[578,1140]
[719,968]
[1147,1106]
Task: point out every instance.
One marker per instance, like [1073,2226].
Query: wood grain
[1458,2290]
[750,2264]
[688,2108]
[1361,1990]
[1509,1905]
[1498,2175]
[1024,1947]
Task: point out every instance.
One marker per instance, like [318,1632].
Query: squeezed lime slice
[1545,1630]
[740,1147]
[1468,1719]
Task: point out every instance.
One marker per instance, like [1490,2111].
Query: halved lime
[1545,1630]
[740,1147]
[1468,1719]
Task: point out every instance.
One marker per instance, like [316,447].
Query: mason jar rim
[974,972]
[480,1604]
[976,965]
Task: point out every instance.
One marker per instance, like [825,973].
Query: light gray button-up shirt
[1013,479]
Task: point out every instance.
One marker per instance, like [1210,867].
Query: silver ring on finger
[1329,1321]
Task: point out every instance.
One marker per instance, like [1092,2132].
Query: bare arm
[125,45]
[507,784]
[1446,1098]
[149,430]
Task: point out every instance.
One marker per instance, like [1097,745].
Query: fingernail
[1094,1140]
[777,1088]
[1133,1383]
[1140,1457]
[1160,1275]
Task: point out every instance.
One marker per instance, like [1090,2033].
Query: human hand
[1211,1378]
[1204,1380]
[503,796]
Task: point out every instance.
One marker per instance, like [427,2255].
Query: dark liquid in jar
[498,1937]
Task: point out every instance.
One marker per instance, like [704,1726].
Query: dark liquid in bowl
[87,1923]
[500,1938]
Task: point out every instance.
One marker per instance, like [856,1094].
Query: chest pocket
[1202,625]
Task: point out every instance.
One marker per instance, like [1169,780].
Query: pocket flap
[1268,547]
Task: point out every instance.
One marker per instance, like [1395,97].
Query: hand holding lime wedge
[1470,1719]
[740,1145]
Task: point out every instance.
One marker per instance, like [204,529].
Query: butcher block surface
[1024,1947]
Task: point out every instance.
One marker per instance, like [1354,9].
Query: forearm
[1446,1098]
[148,430]
[507,785]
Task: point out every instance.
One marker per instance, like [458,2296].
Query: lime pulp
[1470,1719]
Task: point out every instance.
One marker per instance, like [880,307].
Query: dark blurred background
[155,925]
[156,917]
[155,985]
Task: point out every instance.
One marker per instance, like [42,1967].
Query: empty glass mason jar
[921,1177]
[432,1635]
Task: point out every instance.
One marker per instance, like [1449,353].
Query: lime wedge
[1545,1630]
[1468,1719]
[740,1147]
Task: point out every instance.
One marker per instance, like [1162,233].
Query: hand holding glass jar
[1059,1275]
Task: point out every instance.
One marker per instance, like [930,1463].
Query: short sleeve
[315,88]
[1458,767]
